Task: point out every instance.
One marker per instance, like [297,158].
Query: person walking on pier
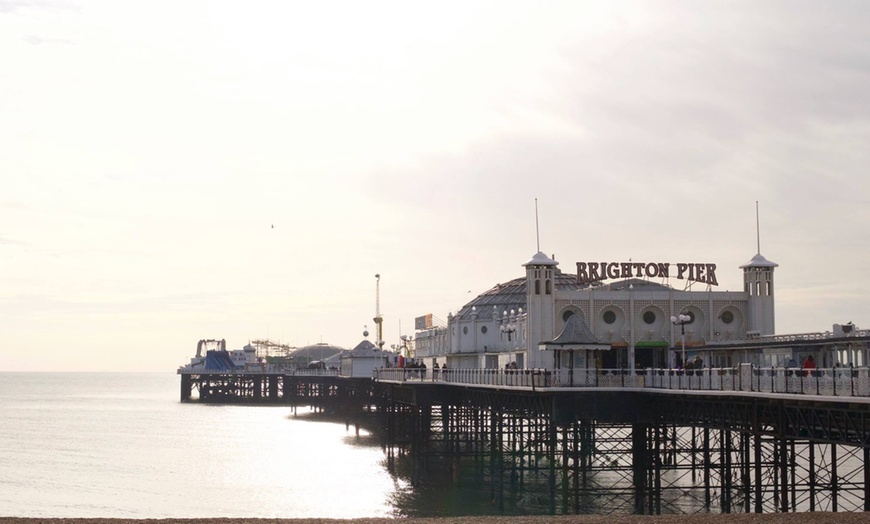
[809,364]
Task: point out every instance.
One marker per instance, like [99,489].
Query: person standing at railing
[689,367]
[809,364]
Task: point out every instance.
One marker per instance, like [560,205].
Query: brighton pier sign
[598,271]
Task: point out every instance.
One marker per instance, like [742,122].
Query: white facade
[363,360]
[506,323]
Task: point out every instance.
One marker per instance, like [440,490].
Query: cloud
[38,40]
[10,242]
[15,6]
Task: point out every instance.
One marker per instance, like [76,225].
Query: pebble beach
[742,518]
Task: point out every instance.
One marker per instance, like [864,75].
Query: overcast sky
[147,149]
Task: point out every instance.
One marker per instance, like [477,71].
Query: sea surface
[122,445]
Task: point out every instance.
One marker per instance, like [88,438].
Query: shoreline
[736,518]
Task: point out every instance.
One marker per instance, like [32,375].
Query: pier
[576,441]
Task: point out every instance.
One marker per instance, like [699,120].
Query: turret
[758,284]
[540,297]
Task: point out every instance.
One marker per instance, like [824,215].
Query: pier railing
[301,372]
[837,382]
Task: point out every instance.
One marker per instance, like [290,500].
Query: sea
[122,445]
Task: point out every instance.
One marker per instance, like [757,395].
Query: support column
[186,384]
[640,465]
[782,459]
[757,452]
[812,474]
[273,387]
[866,479]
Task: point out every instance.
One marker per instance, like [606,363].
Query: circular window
[609,317]
[483,329]
[464,330]
[691,317]
[566,315]
[649,317]
[727,317]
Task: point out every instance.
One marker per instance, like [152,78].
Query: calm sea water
[122,445]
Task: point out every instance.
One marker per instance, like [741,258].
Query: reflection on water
[446,490]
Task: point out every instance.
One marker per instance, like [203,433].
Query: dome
[541,259]
[512,296]
[759,261]
[321,351]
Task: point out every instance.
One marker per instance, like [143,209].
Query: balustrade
[839,382]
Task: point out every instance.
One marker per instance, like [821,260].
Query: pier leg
[639,464]
[186,386]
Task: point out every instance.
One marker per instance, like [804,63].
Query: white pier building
[628,306]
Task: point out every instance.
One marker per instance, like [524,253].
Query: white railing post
[745,377]
[862,386]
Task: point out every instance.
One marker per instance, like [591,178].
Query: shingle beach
[742,518]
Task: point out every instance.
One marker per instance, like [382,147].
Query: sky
[178,170]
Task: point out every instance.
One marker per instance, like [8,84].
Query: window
[483,329]
[537,287]
[609,317]
[727,317]
[691,317]
[549,287]
[566,315]
[649,317]
[464,330]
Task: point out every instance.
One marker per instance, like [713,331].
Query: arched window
[549,286]
[537,287]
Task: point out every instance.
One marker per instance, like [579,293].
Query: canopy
[575,335]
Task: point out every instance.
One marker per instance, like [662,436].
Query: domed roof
[541,259]
[319,351]
[759,261]
[511,296]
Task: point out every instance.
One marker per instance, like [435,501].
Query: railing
[257,370]
[302,372]
[839,382]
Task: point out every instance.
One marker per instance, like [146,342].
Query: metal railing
[838,382]
[302,372]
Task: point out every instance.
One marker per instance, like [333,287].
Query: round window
[483,329]
[691,317]
[566,315]
[609,317]
[727,317]
[464,330]
[649,317]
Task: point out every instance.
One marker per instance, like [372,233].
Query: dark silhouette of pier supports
[594,451]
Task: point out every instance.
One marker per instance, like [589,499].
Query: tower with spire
[758,285]
[541,301]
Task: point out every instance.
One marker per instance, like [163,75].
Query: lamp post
[508,328]
[681,320]
[404,348]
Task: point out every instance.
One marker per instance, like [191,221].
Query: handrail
[838,381]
